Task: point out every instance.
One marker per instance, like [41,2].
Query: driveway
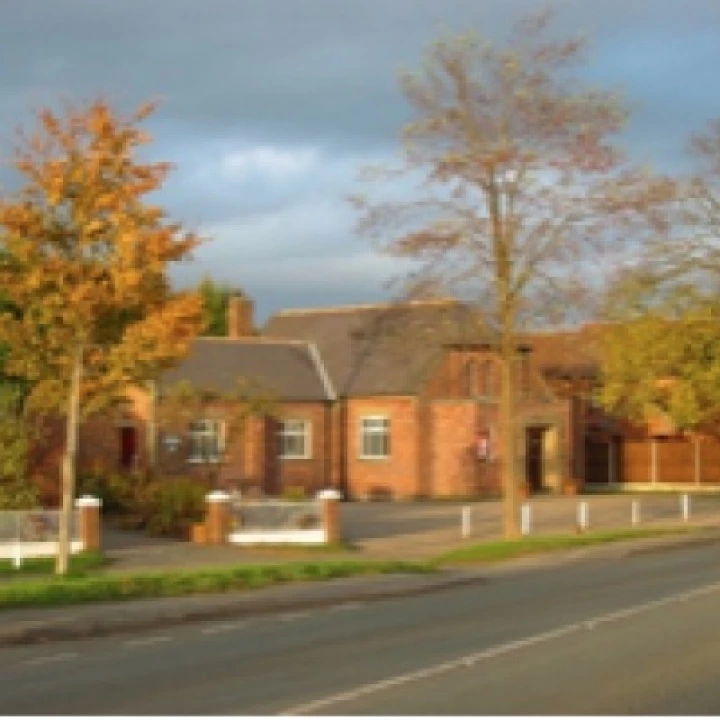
[417,530]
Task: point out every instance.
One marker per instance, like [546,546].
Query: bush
[160,505]
[120,493]
[171,505]
[18,495]
[294,493]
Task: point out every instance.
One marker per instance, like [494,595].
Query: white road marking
[286,617]
[224,627]
[346,606]
[498,650]
[50,658]
[147,641]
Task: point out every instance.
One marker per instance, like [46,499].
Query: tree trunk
[511,501]
[151,432]
[69,468]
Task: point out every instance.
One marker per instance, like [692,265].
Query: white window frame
[211,428]
[302,429]
[373,426]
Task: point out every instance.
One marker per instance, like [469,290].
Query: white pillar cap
[217,496]
[88,501]
[329,494]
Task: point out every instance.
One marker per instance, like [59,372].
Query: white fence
[34,533]
[254,522]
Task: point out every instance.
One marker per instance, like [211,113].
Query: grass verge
[498,550]
[74,590]
[80,564]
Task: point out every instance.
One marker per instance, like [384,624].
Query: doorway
[534,458]
[542,448]
[128,447]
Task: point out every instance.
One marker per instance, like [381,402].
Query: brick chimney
[240,316]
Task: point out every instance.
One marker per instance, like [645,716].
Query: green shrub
[294,493]
[160,505]
[119,492]
[171,505]
[18,495]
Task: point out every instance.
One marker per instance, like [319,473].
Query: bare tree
[507,151]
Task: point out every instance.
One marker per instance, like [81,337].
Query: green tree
[215,299]
[662,341]
[17,434]
[85,255]
[507,149]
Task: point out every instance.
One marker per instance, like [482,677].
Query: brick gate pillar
[217,518]
[90,531]
[330,500]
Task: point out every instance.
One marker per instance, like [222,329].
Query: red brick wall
[252,458]
[310,474]
[396,475]
[454,464]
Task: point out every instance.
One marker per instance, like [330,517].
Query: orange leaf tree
[85,257]
[505,148]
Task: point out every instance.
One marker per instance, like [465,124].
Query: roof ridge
[255,339]
[363,306]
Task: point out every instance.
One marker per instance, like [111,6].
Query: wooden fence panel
[676,460]
[635,461]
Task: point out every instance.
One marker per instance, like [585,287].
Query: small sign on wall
[171,442]
[483,445]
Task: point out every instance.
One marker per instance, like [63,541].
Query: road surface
[637,635]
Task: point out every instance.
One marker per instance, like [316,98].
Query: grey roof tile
[286,369]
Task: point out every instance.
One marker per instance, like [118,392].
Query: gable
[379,350]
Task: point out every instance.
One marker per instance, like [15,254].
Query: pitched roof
[290,370]
[568,353]
[379,349]
[391,348]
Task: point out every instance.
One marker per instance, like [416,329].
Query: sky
[269,109]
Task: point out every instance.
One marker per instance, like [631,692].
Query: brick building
[397,400]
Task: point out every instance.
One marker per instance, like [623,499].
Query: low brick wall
[230,520]
[34,533]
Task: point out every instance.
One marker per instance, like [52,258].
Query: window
[206,441]
[295,440]
[374,437]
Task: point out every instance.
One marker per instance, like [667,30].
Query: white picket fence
[34,533]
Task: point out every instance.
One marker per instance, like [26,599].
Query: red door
[128,447]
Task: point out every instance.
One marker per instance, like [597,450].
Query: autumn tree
[183,405]
[85,255]
[505,148]
[661,345]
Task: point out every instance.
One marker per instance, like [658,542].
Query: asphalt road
[637,635]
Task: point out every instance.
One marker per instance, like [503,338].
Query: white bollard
[685,507]
[583,515]
[635,512]
[525,518]
[465,521]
